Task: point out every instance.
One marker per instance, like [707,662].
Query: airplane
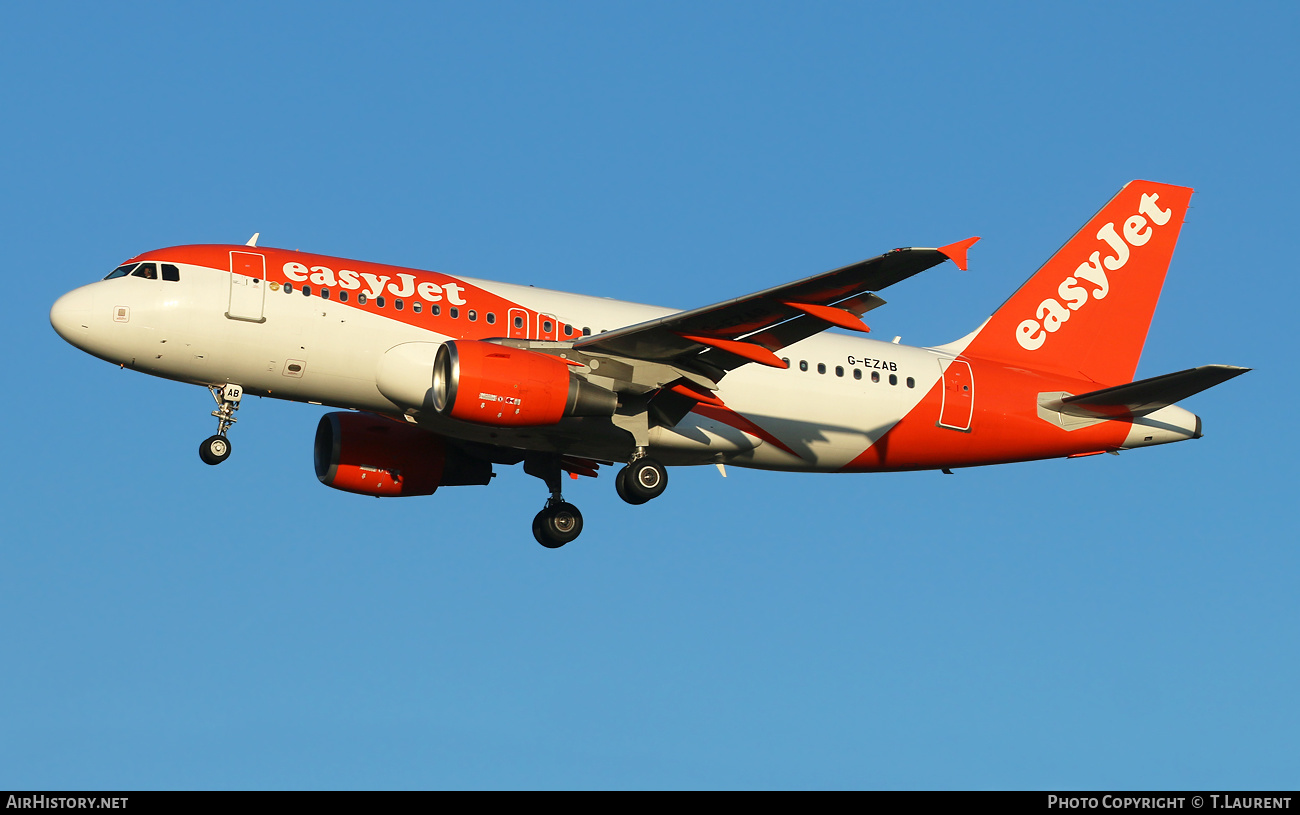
[443,377]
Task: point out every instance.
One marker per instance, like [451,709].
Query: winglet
[956,252]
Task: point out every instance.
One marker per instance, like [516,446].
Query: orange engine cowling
[372,455]
[499,385]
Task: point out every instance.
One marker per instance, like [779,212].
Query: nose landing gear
[216,449]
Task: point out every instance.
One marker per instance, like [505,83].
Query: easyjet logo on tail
[1089,279]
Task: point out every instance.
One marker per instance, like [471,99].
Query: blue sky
[1111,622]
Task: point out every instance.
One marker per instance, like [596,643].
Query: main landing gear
[216,449]
[559,521]
[642,480]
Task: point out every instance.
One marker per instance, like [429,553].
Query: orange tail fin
[1087,310]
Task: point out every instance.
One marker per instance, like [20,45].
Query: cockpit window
[121,271]
[170,272]
[149,271]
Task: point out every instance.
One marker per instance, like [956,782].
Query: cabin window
[893,379]
[170,272]
[519,322]
[455,312]
[803,364]
[473,315]
[547,326]
[491,318]
[343,295]
[325,294]
[435,310]
[857,373]
[786,360]
[839,370]
[568,330]
[121,271]
[288,288]
[306,291]
[875,376]
[416,307]
[821,367]
[398,304]
[586,332]
[361,299]
[379,301]
[911,383]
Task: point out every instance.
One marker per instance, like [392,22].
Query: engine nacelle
[498,385]
[371,455]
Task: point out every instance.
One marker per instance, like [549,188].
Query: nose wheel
[643,480]
[216,449]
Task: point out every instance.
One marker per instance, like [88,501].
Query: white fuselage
[839,395]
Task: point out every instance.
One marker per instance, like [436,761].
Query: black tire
[214,449]
[620,486]
[643,480]
[557,525]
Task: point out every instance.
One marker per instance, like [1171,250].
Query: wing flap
[832,315]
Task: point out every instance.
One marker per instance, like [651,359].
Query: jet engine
[372,455]
[492,384]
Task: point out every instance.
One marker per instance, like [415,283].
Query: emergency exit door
[518,324]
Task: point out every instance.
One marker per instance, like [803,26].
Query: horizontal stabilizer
[1147,395]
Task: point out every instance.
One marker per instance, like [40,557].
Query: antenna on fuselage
[253,240]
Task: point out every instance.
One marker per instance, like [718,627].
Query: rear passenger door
[958,395]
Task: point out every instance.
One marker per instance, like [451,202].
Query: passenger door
[247,287]
[958,395]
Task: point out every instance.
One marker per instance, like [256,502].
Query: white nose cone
[70,315]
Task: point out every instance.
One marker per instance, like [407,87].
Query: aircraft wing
[747,329]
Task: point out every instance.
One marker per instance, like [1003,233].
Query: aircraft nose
[70,314]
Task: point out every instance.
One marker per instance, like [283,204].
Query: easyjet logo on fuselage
[404,286]
[1074,292]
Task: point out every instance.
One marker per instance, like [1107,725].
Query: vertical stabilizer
[1087,310]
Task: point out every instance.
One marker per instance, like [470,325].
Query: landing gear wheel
[556,525]
[620,486]
[214,449]
[641,481]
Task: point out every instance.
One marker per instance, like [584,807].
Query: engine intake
[492,384]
